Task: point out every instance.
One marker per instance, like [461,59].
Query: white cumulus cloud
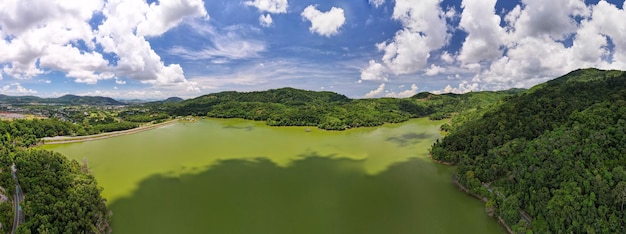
[531,43]
[37,29]
[424,31]
[604,20]
[376,92]
[463,87]
[271,6]
[447,57]
[85,67]
[377,3]
[17,89]
[404,94]
[137,59]
[265,20]
[45,36]
[324,23]
[548,18]
[527,47]
[485,35]
[375,71]
[167,14]
[434,70]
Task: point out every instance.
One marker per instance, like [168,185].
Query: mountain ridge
[67,99]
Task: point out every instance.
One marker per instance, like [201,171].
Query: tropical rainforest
[551,159]
[545,160]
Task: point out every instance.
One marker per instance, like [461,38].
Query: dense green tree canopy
[61,195]
[554,154]
[328,110]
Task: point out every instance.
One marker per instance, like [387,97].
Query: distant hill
[88,100]
[173,99]
[18,99]
[63,100]
[551,159]
[328,110]
[170,100]
[287,96]
[133,101]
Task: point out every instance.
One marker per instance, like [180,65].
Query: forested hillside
[551,159]
[61,196]
[328,110]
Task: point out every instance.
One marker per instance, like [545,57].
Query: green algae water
[239,176]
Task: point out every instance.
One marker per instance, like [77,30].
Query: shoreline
[439,162]
[76,139]
[468,192]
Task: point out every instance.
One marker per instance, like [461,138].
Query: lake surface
[239,176]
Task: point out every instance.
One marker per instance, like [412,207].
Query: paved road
[17,199]
[74,139]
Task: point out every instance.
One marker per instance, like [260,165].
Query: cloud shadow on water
[247,128]
[312,195]
[408,139]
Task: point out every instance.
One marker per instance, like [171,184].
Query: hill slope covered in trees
[328,110]
[550,159]
[61,196]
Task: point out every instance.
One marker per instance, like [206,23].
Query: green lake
[239,176]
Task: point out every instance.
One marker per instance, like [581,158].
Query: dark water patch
[312,195]
[247,128]
[408,139]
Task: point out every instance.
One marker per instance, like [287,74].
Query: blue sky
[360,48]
